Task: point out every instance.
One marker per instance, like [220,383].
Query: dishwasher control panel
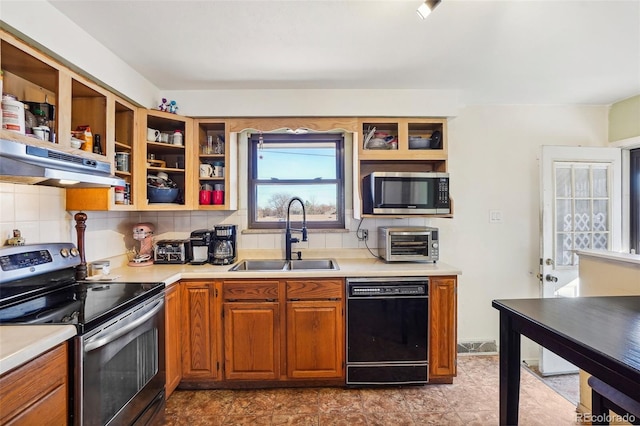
[364,290]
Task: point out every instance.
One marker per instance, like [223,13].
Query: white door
[581,198]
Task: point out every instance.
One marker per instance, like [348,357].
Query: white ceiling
[493,52]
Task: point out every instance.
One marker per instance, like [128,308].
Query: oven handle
[92,345]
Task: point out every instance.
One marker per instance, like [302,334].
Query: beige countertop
[349,267]
[21,343]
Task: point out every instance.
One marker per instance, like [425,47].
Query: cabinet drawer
[250,290]
[315,289]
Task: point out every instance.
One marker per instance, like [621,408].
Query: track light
[427,7]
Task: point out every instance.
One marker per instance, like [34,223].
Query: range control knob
[434,245]
[64,252]
[74,252]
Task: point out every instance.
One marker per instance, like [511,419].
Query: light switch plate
[495,216]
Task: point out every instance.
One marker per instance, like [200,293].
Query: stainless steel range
[118,362]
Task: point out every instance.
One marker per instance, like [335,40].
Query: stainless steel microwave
[408,244]
[406,193]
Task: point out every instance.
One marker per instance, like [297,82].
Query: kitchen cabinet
[251,330]
[121,131]
[200,331]
[165,153]
[443,313]
[37,390]
[404,157]
[214,148]
[70,99]
[173,338]
[315,328]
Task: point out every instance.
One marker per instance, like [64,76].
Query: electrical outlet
[365,234]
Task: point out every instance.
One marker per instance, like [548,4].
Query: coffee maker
[223,245]
[200,246]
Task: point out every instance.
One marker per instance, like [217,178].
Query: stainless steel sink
[283,265]
[260,265]
[322,264]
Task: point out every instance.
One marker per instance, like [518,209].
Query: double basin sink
[286,265]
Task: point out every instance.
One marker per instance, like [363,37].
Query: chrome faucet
[287,234]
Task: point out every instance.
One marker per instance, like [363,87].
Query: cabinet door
[37,390]
[315,344]
[173,341]
[442,328]
[199,343]
[252,340]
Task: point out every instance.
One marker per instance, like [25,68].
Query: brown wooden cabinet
[173,338]
[442,328]
[38,391]
[251,330]
[315,329]
[200,326]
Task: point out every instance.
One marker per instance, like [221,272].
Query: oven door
[120,373]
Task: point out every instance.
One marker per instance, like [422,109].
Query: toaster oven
[408,244]
[172,252]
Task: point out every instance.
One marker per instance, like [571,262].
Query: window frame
[634,199]
[253,182]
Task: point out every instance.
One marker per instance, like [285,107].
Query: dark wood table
[600,335]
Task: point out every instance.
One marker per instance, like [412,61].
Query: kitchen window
[309,166]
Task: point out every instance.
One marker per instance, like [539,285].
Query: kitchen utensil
[161,195]
[205,197]
[206,170]
[218,197]
[153,135]
[122,161]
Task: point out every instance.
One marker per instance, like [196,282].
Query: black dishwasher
[387,330]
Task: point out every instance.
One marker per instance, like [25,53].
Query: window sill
[310,231]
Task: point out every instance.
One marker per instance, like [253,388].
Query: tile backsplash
[39,213]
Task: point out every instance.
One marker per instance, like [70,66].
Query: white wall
[493,161]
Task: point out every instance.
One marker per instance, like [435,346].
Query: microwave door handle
[99,342]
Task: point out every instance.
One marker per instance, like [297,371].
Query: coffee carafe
[200,246]
[223,245]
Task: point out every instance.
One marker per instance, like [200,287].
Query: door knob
[550,278]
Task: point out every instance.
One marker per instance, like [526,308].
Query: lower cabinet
[173,340]
[281,330]
[38,391]
[315,329]
[252,341]
[442,328]
[200,331]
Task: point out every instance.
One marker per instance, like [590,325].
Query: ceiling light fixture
[426,8]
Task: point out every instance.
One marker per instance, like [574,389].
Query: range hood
[36,165]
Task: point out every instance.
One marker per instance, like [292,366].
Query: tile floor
[471,400]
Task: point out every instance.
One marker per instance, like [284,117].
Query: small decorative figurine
[168,106]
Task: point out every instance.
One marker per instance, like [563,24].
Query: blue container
[161,195]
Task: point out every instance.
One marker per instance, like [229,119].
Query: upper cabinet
[404,139]
[215,182]
[166,151]
[61,98]
[400,144]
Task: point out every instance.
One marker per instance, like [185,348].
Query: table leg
[509,371]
